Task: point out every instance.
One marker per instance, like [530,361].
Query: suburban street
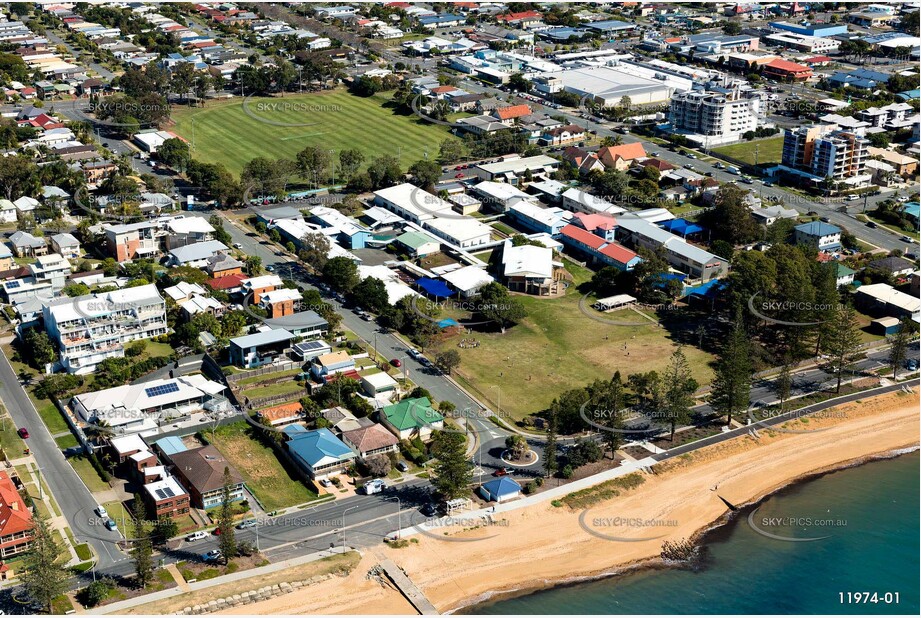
[68,489]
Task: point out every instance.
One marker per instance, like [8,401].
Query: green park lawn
[769,150]
[274,486]
[557,348]
[227,133]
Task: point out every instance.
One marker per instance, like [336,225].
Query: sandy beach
[544,544]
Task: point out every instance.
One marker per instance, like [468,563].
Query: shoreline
[699,538]
[544,546]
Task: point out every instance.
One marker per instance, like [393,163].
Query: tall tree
[142,545]
[732,383]
[452,474]
[44,576]
[227,541]
[496,304]
[312,163]
[842,341]
[350,161]
[679,390]
[899,342]
[613,423]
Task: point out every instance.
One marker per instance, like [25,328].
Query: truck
[732,169]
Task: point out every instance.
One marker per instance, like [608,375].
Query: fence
[286,366]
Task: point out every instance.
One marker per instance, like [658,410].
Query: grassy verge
[66,442]
[87,472]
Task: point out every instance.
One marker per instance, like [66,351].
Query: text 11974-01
[858,598]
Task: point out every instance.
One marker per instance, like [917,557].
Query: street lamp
[498,400]
[344,513]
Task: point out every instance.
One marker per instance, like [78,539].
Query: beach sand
[544,545]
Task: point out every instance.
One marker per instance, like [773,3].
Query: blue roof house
[320,453]
[501,489]
[822,236]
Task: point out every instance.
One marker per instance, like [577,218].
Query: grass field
[87,472]
[557,347]
[769,150]
[227,133]
[263,473]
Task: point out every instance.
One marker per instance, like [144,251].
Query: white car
[101,511]
[195,536]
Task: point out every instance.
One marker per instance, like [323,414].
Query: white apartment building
[712,118]
[92,328]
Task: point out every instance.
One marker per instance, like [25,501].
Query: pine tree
[44,577]
[452,474]
[899,342]
[732,383]
[615,399]
[227,541]
[679,389]
[841,344]
[142,546]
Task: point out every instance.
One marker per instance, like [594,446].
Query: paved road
[72,496]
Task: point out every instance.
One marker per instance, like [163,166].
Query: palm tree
[101,432]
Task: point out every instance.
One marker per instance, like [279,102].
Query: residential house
[328,365]
[197,255]
[66,245]
[411,418]
[280,303]
[531,269]
[262,348]
[201,472]
[843,274]
[822,236]
[129,241]
[370,440]
[16,526]
[896,266]
[8,212]
[222,265]
[621,157]
[166,497]
[257,286]
[881,299]
[562,136]
[27,245]
[283,414]
[320,453]
[6,258]
[51,268]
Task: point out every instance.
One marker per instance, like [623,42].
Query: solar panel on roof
[311,345]
[163,389]
[160,494]
[169,492]
[12,285]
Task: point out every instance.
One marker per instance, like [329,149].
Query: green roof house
[844,275]
[412,417]
[418,244]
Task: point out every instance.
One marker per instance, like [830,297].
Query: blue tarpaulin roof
[682,227]
[448,322]
[434,287]
[705,290]
[663,278]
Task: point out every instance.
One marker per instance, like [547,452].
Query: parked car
[237,245]
[911,364]
[459,175]
[249,523]
[23,432]
[111,525]
[195,536]
[718,165]
[402,466]
[905,239]
[853,197]
[501,472]
[102,512]
[396,362]
[212,556]
[871,224]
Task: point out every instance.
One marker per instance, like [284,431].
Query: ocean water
[868,516]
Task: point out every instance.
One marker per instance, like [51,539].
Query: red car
[23,433]
[459,175]
[500,472]
[396,362]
